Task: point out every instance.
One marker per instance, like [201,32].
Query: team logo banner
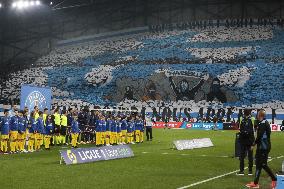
[192,144]
[85,155]
[32,96]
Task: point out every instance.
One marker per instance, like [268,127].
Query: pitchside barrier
[86,155]
[193,144]
[188,125]
[207,126]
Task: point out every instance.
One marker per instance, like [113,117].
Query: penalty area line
[217,177]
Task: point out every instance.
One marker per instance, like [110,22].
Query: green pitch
[155,165]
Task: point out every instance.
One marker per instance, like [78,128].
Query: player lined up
[23,133]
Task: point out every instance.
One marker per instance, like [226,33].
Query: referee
[262,150]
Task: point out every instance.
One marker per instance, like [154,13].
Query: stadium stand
[98,71]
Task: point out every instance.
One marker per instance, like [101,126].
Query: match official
[263,148]
[246,140]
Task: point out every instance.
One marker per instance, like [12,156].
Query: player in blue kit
[108,131]
[113,131]
[118,130]
[5,130]
[75,131]
[138,127]
[99,125]
[123,129]
[103,133]
[142,127]
[21,132]
[14,125]
[39,131]
[130,130]
[32,128]
[49,130]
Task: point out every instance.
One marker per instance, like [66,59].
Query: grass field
[155,165]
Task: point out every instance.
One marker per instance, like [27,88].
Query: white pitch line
[220,176]
[207,180]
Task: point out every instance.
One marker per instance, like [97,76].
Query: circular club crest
[36,98]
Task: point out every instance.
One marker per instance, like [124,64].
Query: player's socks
[5,146]
[63,138]
[13,146]
[141,137]
[57,139]
[273,184]
[107,141]
[30,145]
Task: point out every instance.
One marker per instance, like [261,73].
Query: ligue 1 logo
[71,156]
[36,98]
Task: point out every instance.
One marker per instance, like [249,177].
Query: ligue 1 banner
[32,96]
[86,155]
[187,125]
[193,144]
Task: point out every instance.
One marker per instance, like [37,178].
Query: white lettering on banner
[83,158]
[192,144]
[206,126]
[103,153]
[96,154]
[87,154]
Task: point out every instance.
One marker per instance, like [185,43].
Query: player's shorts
[13,135]
[123,132]
[4,137]
[103,135]
[47,136]
[40,136]
[21,136]
[63,130]
[129,134]
[119,134]
[31,136]
[57,129]
[74,135]
[108,133]
[36,136]
[137,132]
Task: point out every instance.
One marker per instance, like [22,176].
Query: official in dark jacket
[246,140]
[263,148]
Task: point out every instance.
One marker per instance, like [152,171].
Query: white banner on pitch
[192,144]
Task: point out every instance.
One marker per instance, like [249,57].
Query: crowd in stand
[203,24]
[22,131]
[221,44]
